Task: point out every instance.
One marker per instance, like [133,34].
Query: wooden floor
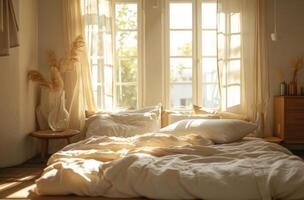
[16,183]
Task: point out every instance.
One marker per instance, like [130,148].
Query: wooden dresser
[289,118]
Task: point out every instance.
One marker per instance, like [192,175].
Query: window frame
[197,56]
[100,78]
[167,55]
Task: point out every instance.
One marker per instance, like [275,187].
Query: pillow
[174,117]
[220,114]
[156,108]
[165,121]
[218,130]
[125,124]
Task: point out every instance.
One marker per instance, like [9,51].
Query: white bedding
[169,167]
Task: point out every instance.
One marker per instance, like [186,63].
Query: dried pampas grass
[56,80]
[52,59]
[58,66]
[36,76]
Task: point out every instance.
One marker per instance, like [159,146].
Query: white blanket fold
[163,166]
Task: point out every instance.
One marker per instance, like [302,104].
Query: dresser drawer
[294,104]
[294,117]
[294,131]
[289,118]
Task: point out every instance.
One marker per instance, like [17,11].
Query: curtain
[78,86]
[242,60]
[8,27]
[97,19]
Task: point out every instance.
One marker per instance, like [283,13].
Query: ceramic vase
[292,88]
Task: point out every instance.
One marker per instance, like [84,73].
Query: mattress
[162,166]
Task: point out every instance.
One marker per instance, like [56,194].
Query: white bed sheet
[163,166]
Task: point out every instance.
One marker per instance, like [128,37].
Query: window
[180,54]
[202,50]
[231,60]
[127,57]
[113,33]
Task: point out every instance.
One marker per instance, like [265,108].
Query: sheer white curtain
[78,82]
[242,47]
[97,18]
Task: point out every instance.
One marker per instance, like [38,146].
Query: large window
[203,50]
[180,54]
[127,53]
[113,33]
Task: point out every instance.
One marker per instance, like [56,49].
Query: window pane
[235,23]
[210,96]
[221,52]
[127,70]
[209,43]
[181,43]
[181,69]
[208,15]
[235,44]
[180,15]
[90,7]
[222,22]
[107,52]
[223,66]
[126,16]
[181,95]
[127,96]
[95,76]
[126,43]
[108,80]
[108,102]
[93,35]
[234,72]
[224,98]
[233,96]
[209,70]
[99,96]
[104,8]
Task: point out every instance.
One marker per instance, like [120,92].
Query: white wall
[18,97]
[154,55]
[290,44]
[50,30]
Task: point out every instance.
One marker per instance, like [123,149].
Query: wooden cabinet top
[291,97]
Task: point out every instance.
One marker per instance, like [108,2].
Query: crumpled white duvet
[163,166]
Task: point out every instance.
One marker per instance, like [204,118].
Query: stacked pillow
[126,123]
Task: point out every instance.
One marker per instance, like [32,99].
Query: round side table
[45,135]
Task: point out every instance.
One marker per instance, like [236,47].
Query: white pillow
[217,130]
[155,109]
[174,117]
[125,124]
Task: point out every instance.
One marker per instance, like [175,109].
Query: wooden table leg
[68,140]
[44,148]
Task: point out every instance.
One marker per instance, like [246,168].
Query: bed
[176,162]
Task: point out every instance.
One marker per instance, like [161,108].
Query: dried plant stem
[58,67]
[36,76]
